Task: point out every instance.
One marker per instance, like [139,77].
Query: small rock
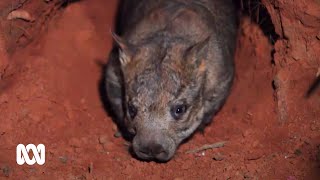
[117,134]
[103,139]
[253,156]
[298,152]
[218,157]
[20,14]
[6,170]
[63,159]
[288,156]
[114,127]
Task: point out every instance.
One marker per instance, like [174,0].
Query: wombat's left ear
[125,53]
[197,53]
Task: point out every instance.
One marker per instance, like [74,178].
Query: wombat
[172,70]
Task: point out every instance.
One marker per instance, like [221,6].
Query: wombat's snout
[152,149]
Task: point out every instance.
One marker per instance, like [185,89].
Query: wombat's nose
[153,150]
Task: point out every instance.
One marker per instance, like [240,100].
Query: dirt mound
[49,94]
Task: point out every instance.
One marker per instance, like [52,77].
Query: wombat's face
[163,96]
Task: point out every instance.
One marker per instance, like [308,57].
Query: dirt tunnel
[50,53]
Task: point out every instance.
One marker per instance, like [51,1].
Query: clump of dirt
[49,94]
[23,20]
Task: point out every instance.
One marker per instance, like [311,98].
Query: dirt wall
[296,52]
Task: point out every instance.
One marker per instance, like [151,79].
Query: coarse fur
[171,55]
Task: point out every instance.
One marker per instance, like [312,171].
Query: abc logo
[38,154]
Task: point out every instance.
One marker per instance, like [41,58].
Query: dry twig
[207,146]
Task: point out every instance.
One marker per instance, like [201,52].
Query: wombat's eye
[178,111]
[132,110]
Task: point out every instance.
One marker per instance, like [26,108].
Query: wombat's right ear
[125,53]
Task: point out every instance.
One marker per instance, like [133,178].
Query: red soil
[49,94]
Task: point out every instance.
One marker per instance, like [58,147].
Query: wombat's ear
[197,53]
[125,52]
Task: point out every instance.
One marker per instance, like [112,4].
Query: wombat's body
[174,69]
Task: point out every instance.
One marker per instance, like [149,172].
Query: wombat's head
[163,101]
